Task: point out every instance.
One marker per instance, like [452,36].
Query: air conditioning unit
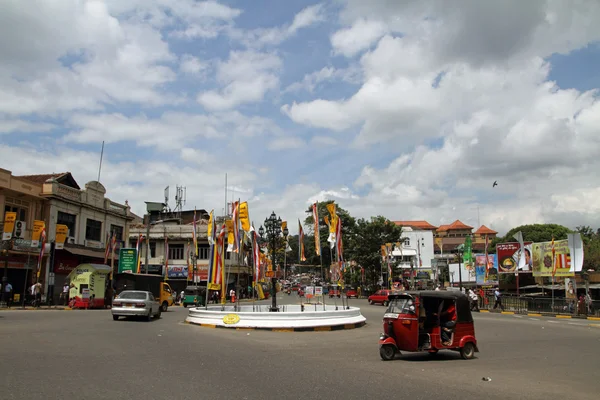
[71,240]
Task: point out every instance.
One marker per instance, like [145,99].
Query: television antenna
[180,198]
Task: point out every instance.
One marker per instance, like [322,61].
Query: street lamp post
[6,244]
[459,251]
[273,230]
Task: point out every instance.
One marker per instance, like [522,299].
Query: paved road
[84,354]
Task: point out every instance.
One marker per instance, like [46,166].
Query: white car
[135,303]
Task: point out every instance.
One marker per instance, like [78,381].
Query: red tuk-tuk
[335,291]
[428,321]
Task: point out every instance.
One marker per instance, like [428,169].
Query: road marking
[518,316]
[553,322]
[574,323]
[534,319]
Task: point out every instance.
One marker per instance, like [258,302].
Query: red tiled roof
[457,225]
[62,177]
[484,230]
[416,224]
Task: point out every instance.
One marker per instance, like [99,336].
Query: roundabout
[290,318]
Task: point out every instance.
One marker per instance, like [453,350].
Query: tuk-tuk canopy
[463,307]
[195,289]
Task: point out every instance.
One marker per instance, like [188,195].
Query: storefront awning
[85,252]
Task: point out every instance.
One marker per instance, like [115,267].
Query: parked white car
[135,303]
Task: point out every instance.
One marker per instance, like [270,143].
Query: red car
[351,292]
[381,297]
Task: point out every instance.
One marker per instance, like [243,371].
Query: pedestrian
[589,303]
[64,296]
[36,291]
[232,295]
[181,296]
[8,289]
[474,300]
[498,297]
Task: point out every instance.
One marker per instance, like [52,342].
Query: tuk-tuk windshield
[401,306]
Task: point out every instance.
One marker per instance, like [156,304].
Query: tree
[591,247]
[538,233]
[365,244]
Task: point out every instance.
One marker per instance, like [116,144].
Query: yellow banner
[61,235]
[439,243]
[38,227]
[9,224]
[229,227]
[210,224]
[541,254]
[244,216]
[334,217]
[283,225]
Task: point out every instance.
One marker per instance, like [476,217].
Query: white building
[417,245]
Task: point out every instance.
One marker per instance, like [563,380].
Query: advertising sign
[486,271]
[423,274]
[201,273]
[177,272]
[508,255]
[310,290]
[542,258]
[318,290]
[38,227]
[9,224]
[128,260]
[62,231]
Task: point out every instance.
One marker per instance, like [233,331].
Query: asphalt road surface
[86,355]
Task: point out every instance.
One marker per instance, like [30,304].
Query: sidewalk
[21,308]
[543,314]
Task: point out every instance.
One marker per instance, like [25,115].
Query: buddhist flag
[315,210]
[332,225]
[139,253]
[236,226]
[301,256]
[107,248]
[166,258]
[210,230]
[255,256]
[194,234]
[339,244]
[230,237]
[43,240]
[244,216]
[384,251]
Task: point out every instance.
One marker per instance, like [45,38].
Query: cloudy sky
[407,109]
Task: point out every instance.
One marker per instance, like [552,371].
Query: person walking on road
[8,293]
[474,300]
[498,297]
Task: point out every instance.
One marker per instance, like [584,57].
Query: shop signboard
[127,260]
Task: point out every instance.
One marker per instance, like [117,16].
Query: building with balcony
[416,248]
[179,236]
[23,197]
[90,216]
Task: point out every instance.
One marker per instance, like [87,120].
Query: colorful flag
[113,245]
[236,226]
[43,240]
[332,225]
[107,248]
[166,257]
[139,253]
[194,234]
[315,210]
[553,258]
[339,244]
[301,242]
[221,264]
[255,255]
[230,235]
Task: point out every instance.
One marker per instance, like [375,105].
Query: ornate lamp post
[272,226]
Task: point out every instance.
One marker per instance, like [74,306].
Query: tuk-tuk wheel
[164,306]
[387,352]
[467,352]
[184,305]
[385,303]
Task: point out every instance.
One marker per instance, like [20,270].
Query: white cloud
[18,125]
[325,74]
[360,36]
[246,77]
[323,141]
[191,65]
[285,143]
[260,37]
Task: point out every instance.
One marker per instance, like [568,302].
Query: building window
[93,230]
[69,220]
[227,255]
[203,252]
[407,242]
[117,231]
[21,211]
[152,249]
[176,252]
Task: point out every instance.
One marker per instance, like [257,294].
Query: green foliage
[365,245]
[591,247]
[538,233]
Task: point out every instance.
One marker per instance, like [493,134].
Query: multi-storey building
[90,216]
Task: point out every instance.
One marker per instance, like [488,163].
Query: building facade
[90,216]
[23,197]
[179,236]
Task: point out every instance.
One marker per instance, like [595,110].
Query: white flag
[576,251]
[522,263]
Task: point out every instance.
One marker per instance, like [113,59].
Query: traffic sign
[127,260]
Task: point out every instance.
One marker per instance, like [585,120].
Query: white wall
[425,238]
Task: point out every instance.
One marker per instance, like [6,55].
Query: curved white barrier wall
[292,317]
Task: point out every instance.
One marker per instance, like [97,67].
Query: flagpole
[112,268]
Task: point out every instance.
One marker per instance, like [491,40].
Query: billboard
[542,264]
[508,255]
[486,272]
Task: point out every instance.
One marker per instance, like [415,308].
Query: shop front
[21,265]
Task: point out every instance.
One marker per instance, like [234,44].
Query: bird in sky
[495,184]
